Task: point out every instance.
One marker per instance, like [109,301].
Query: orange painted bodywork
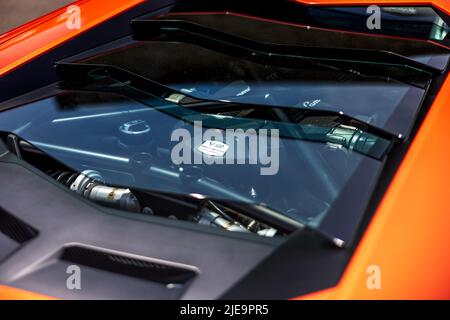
[39,36]
[409,234]
[9,293]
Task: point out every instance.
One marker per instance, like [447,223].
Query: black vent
[132,267]
[15,229]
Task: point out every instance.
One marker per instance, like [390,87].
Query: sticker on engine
[311,103]
[213,148]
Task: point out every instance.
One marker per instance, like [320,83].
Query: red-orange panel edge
[28,42]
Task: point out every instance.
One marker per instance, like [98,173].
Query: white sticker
[311,103]
[213,148]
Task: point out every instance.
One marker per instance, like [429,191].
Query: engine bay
[118,153]
[220,133]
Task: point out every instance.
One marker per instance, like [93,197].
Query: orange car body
[409,234]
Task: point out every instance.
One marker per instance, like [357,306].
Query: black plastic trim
[16,229]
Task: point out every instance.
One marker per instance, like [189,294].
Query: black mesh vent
[136,268]
[14,228]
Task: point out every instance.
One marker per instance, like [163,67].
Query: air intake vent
[15,229]
[146,270]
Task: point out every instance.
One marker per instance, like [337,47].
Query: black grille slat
[150,271]
[15,229]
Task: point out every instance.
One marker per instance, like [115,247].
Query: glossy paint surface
[31,40]
[9,293]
